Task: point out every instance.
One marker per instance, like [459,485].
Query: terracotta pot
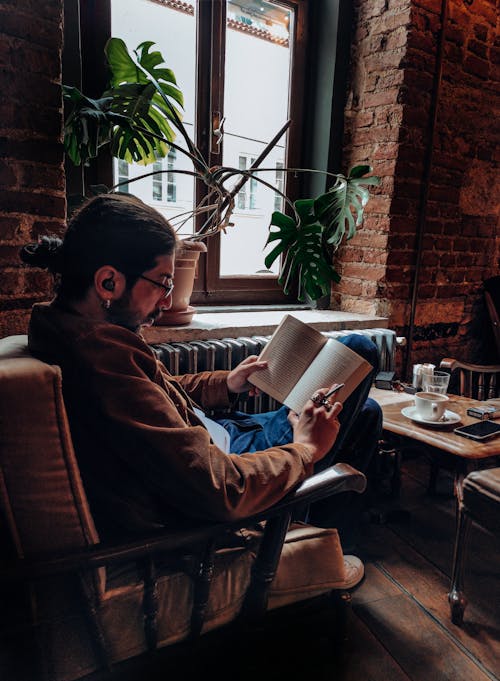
[186,263]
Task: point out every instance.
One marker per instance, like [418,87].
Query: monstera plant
[139,117]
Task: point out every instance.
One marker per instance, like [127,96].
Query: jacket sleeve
[172,457]
[207,388]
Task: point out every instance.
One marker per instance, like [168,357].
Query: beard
[121,314]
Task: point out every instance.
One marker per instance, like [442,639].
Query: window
[247,196]
[158,181]
[163,179]
[240,61]
[171,182]
[278,181]
[122,175]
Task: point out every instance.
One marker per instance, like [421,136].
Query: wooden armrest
[450,364]
[333,480]
[338,478]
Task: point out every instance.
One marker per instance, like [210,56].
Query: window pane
[172,27]
[256,94]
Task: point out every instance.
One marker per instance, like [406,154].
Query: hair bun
[46,253]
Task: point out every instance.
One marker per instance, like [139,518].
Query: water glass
[436,382]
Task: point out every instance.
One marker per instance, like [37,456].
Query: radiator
[208,355]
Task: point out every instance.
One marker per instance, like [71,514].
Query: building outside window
[171,177]
[158,181]
[278,181]
[247,196]
[215,43]
[122,175]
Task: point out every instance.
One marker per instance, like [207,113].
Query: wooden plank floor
[403,600]
[399,628]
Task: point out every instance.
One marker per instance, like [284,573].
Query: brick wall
[32,199]
[388,124]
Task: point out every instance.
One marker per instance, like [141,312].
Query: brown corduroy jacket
[145,457]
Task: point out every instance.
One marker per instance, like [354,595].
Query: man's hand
[316,426]
[237,380]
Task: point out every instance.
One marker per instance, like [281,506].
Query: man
[147,453]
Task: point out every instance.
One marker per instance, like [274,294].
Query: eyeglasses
[167,288]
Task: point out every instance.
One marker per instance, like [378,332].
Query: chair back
[42,499]
[477,381]
[491,288]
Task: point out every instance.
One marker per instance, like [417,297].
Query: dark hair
[109,229]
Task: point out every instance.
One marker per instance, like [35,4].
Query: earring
[106,304]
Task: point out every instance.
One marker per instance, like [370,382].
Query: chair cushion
[311,564]
[481,497]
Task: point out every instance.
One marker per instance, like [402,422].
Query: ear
[109,283]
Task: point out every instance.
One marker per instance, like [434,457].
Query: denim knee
[363,345]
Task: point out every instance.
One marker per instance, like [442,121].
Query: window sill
[232,322]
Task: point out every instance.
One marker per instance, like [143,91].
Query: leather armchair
[87,605]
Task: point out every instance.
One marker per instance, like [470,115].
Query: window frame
[210,287]
[85,70]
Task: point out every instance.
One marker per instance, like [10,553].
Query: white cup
[430,406]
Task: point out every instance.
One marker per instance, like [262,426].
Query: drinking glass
[436,382]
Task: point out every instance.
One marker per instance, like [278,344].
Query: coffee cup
[430,406]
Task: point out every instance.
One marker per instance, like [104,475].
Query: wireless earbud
[108,284]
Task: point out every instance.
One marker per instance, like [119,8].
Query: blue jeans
[360,421]
[356,443]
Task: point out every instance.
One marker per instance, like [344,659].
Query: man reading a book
[148,454]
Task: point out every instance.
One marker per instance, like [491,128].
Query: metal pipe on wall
[424,192]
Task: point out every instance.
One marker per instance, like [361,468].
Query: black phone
[482,430]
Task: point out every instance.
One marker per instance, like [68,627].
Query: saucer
[449,418]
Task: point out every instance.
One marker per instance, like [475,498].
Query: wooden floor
[398,626]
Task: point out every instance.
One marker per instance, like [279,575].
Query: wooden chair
[478,381]
[491,288]
[84,605]
[480,502]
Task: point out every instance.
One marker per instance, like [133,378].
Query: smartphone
[482,430]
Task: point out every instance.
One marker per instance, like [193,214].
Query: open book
[301,360]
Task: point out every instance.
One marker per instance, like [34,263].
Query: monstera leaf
[145,93]
[88,124]
[305,258]
[308,240]
[341,208]
[137,115]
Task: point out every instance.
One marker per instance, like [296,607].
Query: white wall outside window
[255,107]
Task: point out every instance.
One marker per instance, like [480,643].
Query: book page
[289,352]
[335,363]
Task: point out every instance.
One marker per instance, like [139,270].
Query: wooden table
[468,452]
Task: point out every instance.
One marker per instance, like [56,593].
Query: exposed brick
[7,175]
[41,176]
[455,34]
[16,321]
[18,55]
[41,227]
[477,67]
[33,203]
[478,48]
[31,89]
[364,271]
[32,150]
[433,6]
[10,228]
[38,9]
[16,22]
[30,119]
